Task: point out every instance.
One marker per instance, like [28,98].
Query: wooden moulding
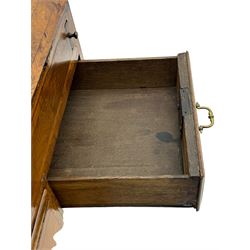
[118,105]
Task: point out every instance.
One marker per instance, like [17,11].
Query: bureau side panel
[45,18]
[48,108]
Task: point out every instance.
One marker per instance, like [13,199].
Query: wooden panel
[187,109]
[53,63]
[66,25]
[119,132]
[49,220]
[45,18]
[48,105]
[191,136]
[164,191]
[127,73]
[197,135]
[48,16]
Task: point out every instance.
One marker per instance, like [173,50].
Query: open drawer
[129,136]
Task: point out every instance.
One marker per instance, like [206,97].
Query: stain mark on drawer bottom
[165,137]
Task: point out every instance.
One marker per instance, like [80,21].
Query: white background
[216,34]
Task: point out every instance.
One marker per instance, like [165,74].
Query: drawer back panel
[126,73]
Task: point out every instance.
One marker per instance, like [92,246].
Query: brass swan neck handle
[210,116]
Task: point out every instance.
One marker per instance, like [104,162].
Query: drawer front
[49,220]
[191,146]
[49,102]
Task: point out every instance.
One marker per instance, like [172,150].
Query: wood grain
[45,124]
[188,109]
[48,104]
[65,25]
[191,136]
[152,191]
[126,73]
[46,15]
[119,132]
[197,134]
[49,220]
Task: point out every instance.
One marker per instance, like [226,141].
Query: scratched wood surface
[50,97]
[54,59]
[46,15]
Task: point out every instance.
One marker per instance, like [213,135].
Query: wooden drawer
[129,136]
[48,103]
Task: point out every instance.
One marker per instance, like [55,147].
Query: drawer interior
[127,136]
[121,119]
[119,132]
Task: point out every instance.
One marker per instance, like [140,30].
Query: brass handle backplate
[210,116]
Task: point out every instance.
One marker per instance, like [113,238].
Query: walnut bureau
[120,132]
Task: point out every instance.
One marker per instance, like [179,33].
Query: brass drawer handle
[210,116]
[70,35]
